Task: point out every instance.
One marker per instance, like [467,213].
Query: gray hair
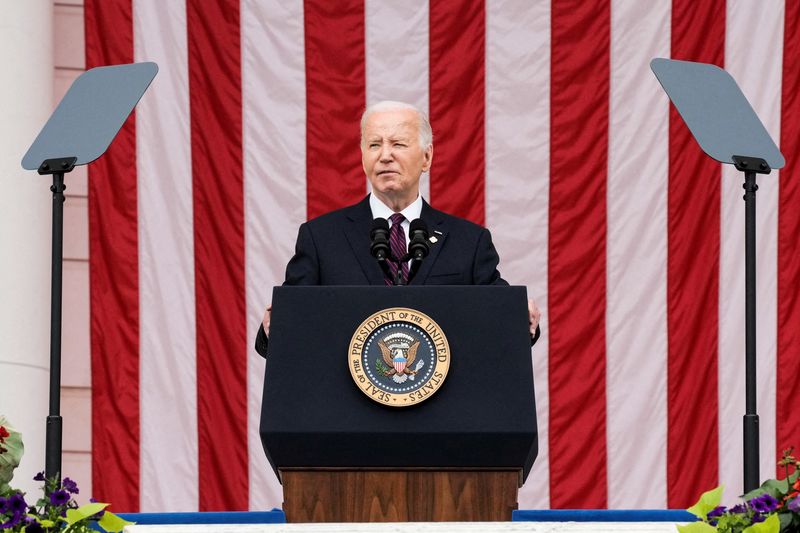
[425,131]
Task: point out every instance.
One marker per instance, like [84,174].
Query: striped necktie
[397,243]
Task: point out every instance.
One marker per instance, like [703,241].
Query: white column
[26,100]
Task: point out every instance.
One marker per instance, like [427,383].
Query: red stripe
[216,132]
[114,271]
[335,99]
[788,384]
[693,234]
[457,107]
[577,233]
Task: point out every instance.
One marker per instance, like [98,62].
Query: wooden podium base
[402,495]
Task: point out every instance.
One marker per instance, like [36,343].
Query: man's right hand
[265,322]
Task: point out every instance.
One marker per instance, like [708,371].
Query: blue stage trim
[275,516]
[604,515]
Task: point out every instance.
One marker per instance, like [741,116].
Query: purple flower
[39,477]
[758,518]
[59,497]
[34,527]
[70,486]
[764,504]
[717,511]
[771,502]
[739,509]
[16,504]
[15,519]
[794,505]
[3,505]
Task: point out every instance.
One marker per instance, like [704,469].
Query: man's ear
[428,158]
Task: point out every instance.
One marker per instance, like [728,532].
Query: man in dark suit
[334,249]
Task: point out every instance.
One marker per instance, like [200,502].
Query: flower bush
[11,450]
[771,508]
[56,509]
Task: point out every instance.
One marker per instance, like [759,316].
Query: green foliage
[708,501]
[66,516]
[12,451]
[113,523]
[771,508]
[770,525]
[733,522]
[84,511]
[777,488]
[697,527]
[56,510]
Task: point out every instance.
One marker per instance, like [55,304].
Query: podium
[344,456]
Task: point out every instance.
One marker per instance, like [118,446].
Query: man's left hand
[534,315]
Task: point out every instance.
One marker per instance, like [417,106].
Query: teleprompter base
[401,495]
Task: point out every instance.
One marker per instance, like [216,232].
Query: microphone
[418,246]
[379,235]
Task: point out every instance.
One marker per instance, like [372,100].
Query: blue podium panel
[482,417]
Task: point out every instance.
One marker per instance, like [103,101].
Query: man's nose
[386,153]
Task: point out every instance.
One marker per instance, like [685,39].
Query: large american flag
[549,129]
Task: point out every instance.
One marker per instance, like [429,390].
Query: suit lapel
[359,223]
[436,229]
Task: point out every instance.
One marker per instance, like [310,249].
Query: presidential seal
[399,357]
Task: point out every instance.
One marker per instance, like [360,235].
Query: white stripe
[636,326]
[754,59]
[517,181]
[273,88]
[166,264]
[396,41]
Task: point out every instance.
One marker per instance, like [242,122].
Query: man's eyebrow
[391,138]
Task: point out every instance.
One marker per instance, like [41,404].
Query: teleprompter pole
[53,435]
[750,166]
[751,451]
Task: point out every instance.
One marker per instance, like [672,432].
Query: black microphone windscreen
[379,235]
[379,224]
[418,225]
[418,243]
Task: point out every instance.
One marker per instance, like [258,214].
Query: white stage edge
[413,527]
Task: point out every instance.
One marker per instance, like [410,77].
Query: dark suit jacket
[334,249]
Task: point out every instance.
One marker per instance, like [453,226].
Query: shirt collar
[381,210]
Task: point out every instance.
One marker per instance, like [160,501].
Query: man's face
[391,153]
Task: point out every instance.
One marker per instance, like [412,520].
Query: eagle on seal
[399,363]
